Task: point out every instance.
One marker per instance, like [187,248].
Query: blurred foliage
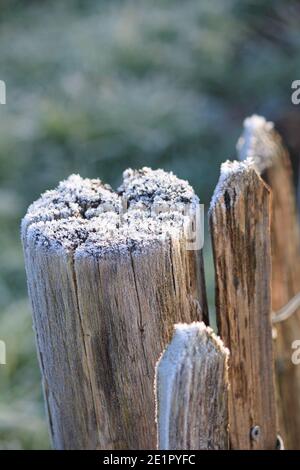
[95,87]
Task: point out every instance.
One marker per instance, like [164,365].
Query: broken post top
[235,176]
[87,216]
[261,142]
[191,390]
[186,337]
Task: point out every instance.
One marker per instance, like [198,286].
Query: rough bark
[239,219]
[261,142]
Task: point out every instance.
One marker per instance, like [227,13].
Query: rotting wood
[239,221]
[107,285]
[192,391]
[261,142]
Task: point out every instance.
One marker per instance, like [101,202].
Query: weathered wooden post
[108,275]
[261,142]
[239,219]
[192,391]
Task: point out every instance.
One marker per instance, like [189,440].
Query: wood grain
[106,286]
[192,391]
[264,145]
[239,220]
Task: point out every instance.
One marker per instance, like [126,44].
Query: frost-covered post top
[86,216]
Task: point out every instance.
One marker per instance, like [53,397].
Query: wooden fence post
[239,220]
[261,142]
[106,286]
[192,391]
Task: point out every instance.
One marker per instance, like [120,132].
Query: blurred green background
[94,87]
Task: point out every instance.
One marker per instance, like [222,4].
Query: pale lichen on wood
[108,276]
[261,141]
[239,220]
[192,391]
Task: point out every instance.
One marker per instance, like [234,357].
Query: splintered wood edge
[232,174]
[191,342]
[260,142]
